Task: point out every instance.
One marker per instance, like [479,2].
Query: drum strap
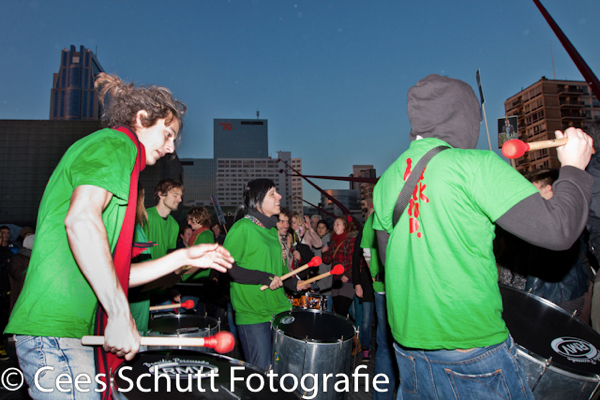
[108,362]
[411,183]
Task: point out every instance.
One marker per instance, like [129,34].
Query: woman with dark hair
[253,242]
[340,251]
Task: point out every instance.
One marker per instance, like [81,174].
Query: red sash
[107,363]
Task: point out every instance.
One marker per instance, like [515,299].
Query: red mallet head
[337,270]
[222,342]
[315,261]
[514,148]
[187,304]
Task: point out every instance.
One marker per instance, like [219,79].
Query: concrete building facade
[544,107]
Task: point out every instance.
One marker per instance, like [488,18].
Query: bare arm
[206,255]
[89,244]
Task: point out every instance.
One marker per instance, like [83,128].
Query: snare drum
[296,300]
[182,374]
[313,342]
[183,325]
[560,355]
[309,301]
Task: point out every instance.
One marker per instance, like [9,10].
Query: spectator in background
[340,251]
[18,268]
[325,283]
[593,223]
[219,235]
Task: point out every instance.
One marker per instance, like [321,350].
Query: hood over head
[446,109]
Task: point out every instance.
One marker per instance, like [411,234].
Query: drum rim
[563,366]
[541,299]
[557,368]
[309,340]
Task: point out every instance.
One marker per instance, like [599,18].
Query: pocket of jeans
[19,339]
[408,371]
[490,386]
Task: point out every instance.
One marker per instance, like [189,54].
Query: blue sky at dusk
[331,77]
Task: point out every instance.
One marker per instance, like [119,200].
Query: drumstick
[222,342]
[186,304]
[516,148]
[314,262]
[337,270]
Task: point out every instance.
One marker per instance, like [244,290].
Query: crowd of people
[424,267]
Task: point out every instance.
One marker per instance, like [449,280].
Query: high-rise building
[544,107]
[234,173]
[241,138]
[72,96]
[297,204]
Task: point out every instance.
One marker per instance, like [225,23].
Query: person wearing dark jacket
[363,288]
[444,303]
[18,268]
[593,223]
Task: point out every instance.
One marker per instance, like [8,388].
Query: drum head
[180,366]
[317,326]
[547,330]
[172,324]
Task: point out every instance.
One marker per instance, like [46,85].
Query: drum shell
[559,354]
[183,325]
[550,383]
[313,356]
[143,361]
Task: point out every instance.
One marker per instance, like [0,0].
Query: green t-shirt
[206,236]
[369,241]
[440,273]
[56,299]
[256,248]
[163,232]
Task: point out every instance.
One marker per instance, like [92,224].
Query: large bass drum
[183,325]
[312,342]
[560,354]
[183,375]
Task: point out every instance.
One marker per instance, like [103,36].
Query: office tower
[241,138]
[73,97]
[544,107]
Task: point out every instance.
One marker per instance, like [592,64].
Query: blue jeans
[231,320]
[367,323]
[363,316]
[65,356]
[384,362]
[257,343]
[491,373]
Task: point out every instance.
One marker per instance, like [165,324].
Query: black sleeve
[356,257]
[382,240]
[291,284]
[249,277]
[554,224]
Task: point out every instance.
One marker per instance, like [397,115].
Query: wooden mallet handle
[337,270]
[186,304]
[314,262]
[222,342]
[516,148]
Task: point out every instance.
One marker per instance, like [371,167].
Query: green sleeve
[100,165]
